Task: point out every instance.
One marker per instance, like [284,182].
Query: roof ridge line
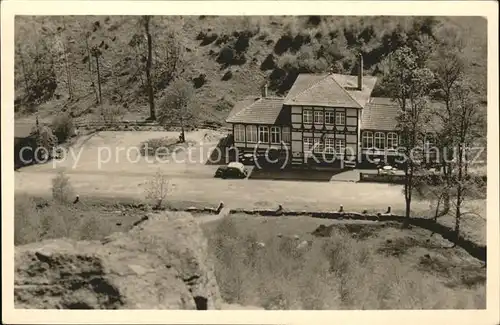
[244,109]
[345,91]
[312,86]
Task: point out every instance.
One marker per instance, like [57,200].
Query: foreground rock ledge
[161,263]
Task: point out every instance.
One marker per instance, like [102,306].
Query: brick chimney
[360,71]
[264,90]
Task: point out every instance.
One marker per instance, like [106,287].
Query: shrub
[337,272]
[45,140]
[111,114]
[157,189]
[229,56]
[269,63]
[91,228]
[199,81]
[314,20]
[62,191]
[242,42]
[63,127]
[224,105]
[26,222]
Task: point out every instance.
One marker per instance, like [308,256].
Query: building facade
[326,120]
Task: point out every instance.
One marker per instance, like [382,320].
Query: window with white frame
[379,140]
[275,134]
[319,146]
[340,118]
[239,133]
[392,140]
[308,144]
[329,117]
[339,146]
[263,134]
[252,135]
[329,146]
[318,117]
[367,140]
[307,116]
[285,134]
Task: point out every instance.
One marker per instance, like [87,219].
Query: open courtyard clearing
[125,174]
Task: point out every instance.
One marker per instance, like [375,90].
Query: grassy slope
[216,95]
[377,268]
[408,269]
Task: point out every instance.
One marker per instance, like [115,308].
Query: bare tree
[86,36]
[146,21]
[177,105]
[96,54]
[20,55]
[467,123]
[168,61]
[157,189]
[409,83]
[63,40]
[447,65]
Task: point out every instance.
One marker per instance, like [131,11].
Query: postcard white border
[488,9]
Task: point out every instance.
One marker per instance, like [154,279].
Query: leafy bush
[63,127]
[62,191]
[45,142]
[269,63]
[199,81]
[229,56]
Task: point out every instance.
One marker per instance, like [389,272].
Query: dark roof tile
[381,114]
[334,90]
[256,111]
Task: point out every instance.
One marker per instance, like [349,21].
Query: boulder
[162,263]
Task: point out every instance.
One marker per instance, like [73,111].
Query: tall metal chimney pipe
[360,71]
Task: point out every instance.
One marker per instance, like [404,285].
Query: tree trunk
[98,78]
[460,189]
[408,192]
[23,69]
[68,70]
[91,75]
[152,113]
[183,138]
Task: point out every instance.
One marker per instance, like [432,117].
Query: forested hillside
[83,64]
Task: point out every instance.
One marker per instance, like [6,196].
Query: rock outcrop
[162,263]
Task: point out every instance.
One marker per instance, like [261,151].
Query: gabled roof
[330,89]
[254,110]
[381,114]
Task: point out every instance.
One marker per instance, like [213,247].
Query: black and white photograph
[251,162]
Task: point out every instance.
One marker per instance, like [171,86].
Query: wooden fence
[124,125]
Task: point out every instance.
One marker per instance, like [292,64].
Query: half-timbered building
[325,119]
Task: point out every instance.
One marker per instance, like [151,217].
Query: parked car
[232,170]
